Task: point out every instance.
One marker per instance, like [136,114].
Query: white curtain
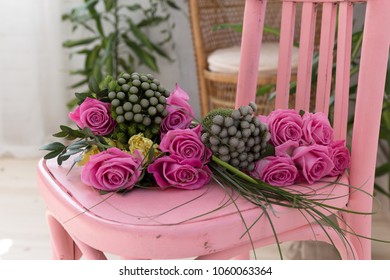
[32,89]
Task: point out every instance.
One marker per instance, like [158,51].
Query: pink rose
[284,125]
[95,115]
[180,113]
[112,170]
[186,144]
[340,157]
[173,172]
[313,162]
[316,129]
[286,149]
[276,171]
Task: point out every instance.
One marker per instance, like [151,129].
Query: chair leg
[63,246]
[89,252]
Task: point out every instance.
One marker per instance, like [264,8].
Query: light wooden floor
[24,233]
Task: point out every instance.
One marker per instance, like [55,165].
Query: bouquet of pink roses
[133,132]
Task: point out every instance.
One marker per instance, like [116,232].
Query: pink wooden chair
[147,224]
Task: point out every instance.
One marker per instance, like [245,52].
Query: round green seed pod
[224,158]
[150,76]
[253,106]
[162,100]
[160,108]
[214,140]
[146,121]
[119,110]
[153,101]
[153,86]
[121,81]
[157,94]
[244,124]
[129,116]
[223,133]
[115,102]
[144,78]
[218,120]
[144,103]
[149,93]
[223,150]
[133,98]
[157,120]
[205,137]
[215,129]
[235,162]
[232,130]
[120,119]
[138,118]
[126,76]
[127,106]
[152,111]
[244,110]
[236,115]
[228,122]
[121,95]
[233,142]
[136,83]
[155,81]
[133,90]
[137,108]
[145,86]
[112,95]
[125,87]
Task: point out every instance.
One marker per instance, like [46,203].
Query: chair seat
[135,224]
[227,60]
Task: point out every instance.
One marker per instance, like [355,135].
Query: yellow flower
[92,151]
[142,144]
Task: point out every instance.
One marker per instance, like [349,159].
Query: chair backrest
[337,20]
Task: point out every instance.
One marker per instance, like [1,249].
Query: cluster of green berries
[237,137]
[138,104]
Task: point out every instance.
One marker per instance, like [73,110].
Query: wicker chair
[218,89]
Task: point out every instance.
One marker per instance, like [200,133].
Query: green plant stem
[234,170]
[116,44]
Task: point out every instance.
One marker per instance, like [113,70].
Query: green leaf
[152,21]
[134,7]
[383,169]
[144,57]
[387,86]
[79,83]
[53,146]
[92,58]
[109,4]
[74,43]
[237,27]
[93,85]
[52,154]
[81,96]
[265,89]
[172,4]
[140,35]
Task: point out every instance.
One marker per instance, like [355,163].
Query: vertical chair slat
[325,64]
[343,68]
[285,54]
[252,35]
[306,48]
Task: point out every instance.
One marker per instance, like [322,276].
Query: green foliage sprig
[114,40]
